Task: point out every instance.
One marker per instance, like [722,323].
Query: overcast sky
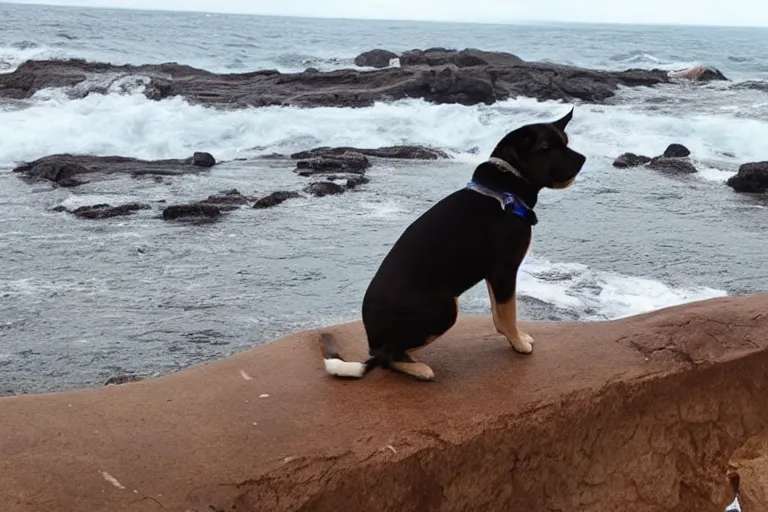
[710,12]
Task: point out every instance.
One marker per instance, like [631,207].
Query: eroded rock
[699,74]
[676,151]
[751,177]
[630,160]
[376,58]
[324,188]
[409,152]
[348,161]
[105,211]
[191,210]
[68,170]
[275,198]
[468,77]
[676,165]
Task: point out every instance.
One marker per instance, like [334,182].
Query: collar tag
[509,202]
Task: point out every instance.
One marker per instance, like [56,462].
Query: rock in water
[349,161]
[467,77]
[630,160]
[403,152]
[751,177]
[105,211]
[191,210]
[324,188]
[699,74]
[68,170]
[201,159]
[376,58]
[275,198]
[677,165]
[676,151]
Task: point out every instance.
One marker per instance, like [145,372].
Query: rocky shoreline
[466,77]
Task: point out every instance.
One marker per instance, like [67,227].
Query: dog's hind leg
[412,330]
[503,294]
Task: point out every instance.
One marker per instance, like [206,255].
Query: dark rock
[630,160]
[105,211]
[348,161]
[194,210]
[311,70]
[676,165]
[402,152]
[66,170]
[463,79]
[676,151]
[323,188]
[122,379]
[228,200]
[699,74]
[751,177]
[377,58]
[469,57]
[203,159]
[354,181]
[275,198]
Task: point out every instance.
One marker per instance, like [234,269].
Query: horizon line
[529,21]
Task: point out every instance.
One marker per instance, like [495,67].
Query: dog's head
[540,153]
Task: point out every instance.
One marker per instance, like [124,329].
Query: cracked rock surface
[639,414]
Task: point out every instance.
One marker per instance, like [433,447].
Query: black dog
[480,232]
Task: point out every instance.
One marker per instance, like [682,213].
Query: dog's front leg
[503,297]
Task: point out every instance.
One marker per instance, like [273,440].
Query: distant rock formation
[467,77]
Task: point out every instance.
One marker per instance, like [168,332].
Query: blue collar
[509,202]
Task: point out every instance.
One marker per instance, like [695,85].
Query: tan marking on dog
[415,369]
[505,322]
[561,186]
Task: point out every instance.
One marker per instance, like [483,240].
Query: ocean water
[82,301]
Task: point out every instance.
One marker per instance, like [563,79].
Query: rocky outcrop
[471,77]
[673,165]
[673,160]
[209,208]
[676,151]
[104,211]
[751,177]
[640,414]
[627,160]
[274,199]
[400,152]
[324,188]
[68,170]
[348,161]
[469,57]
[699,74]
[749,467]
[376,58]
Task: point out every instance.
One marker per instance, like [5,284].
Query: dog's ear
[516,146]
[561,123]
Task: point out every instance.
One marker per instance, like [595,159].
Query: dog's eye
[544,147]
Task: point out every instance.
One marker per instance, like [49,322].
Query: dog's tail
[335,365]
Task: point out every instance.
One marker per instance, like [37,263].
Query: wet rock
[676,151]
[750,178]
[377,58]
[469,57]
[409,152]
[275,198]
[354,181]
[348,161]
[324,188]
[201,159]
[122,379]
[630,160]
[676,165]
[68,170]
[191,210]
[466,77]
[105,211]
[228,200]
[699,74]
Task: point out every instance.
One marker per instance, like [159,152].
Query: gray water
[82,301]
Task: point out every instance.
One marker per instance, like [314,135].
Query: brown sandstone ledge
[640,414]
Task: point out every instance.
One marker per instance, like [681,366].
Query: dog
[482,231]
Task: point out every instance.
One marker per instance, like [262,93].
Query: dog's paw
[522,343]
